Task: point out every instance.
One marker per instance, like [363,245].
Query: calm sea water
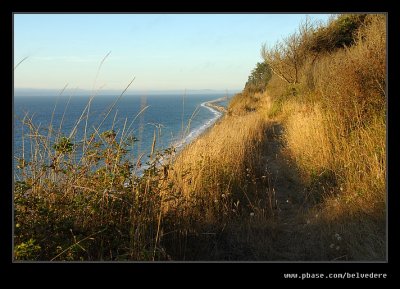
[177,120]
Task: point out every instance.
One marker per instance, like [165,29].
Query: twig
[77,243]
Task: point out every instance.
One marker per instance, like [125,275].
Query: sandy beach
[213,104]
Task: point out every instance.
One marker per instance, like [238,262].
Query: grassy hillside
[295,170]
[334,118]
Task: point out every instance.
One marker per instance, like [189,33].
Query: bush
[339,33]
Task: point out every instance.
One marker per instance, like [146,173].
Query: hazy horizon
[19,92]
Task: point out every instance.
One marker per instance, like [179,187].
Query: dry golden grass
[218,164]
[351,82]
[218,193]
[307,138]
[336,134]
[318,143]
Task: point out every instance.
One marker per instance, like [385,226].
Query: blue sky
[163,51]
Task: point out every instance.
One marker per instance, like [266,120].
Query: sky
[161,51]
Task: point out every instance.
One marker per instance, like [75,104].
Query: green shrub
[27,250]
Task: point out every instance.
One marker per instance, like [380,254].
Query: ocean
[176,119]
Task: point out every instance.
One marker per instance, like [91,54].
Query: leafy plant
[27,250]
[64,145]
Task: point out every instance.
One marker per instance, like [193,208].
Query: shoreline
[212,104]
[219,112]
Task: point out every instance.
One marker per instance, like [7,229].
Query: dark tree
[258,78]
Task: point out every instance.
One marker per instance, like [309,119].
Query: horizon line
[78,91]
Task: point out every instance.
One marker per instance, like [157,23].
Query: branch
[278,74]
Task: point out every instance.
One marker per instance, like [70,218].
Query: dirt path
[290,201]
[291,227]
[284,236]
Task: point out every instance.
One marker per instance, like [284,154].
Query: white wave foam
[192,135]
[196,132]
